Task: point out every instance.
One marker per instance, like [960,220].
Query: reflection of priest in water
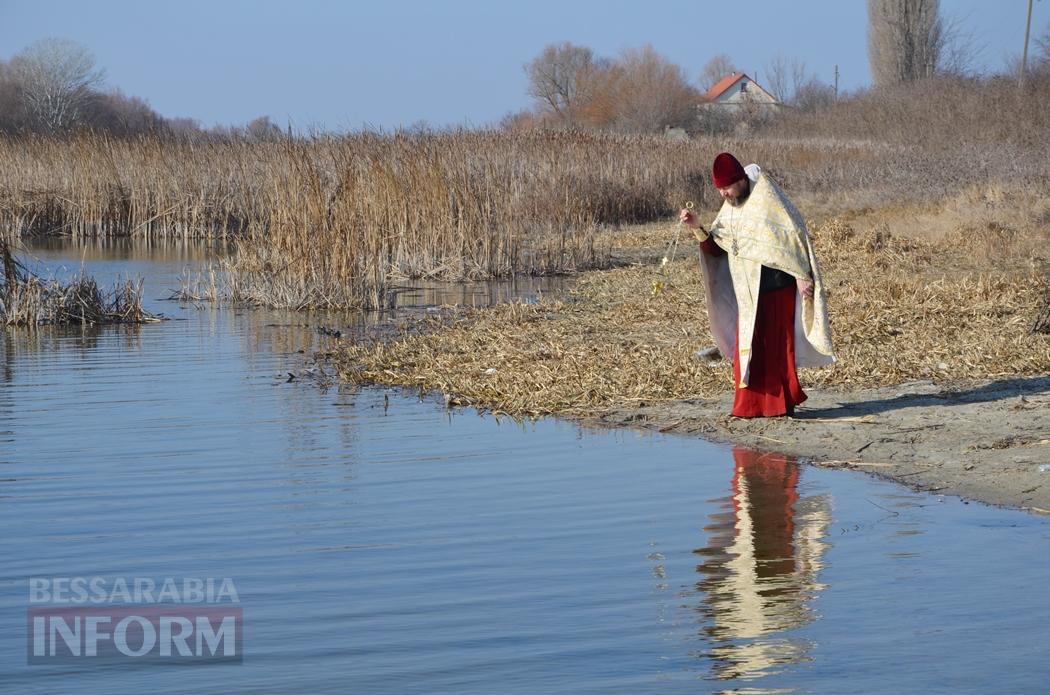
[760,571]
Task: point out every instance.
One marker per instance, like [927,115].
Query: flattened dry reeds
[901,309]
[26,300]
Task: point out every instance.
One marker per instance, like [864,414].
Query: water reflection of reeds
[760,570]
[78,340]
[93,249]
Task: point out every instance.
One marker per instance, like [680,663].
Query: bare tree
[715,69]
[785,77]
[654,93]
[777,78]
[1042,57]
[57,78]
[905,38]
[959,51]
[556,76]
[602,88]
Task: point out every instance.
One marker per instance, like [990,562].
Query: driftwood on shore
[26,300]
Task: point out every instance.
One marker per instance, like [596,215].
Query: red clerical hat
[726,171]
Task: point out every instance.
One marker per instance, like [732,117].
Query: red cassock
[773,387]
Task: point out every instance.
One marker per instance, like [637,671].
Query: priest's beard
[742,198]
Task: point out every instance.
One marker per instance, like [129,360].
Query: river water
[381,544]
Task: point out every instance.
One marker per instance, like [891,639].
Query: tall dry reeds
[334,221]
[450,184]
[329,220]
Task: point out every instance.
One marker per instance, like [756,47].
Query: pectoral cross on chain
[732,227]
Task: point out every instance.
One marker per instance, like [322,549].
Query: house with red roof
[738,89]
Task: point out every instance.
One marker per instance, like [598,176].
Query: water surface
[380,543]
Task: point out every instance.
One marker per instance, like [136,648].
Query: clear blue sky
[337,65]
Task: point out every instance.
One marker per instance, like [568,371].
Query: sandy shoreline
[983,441]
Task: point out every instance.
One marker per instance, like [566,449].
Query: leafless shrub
[813,94]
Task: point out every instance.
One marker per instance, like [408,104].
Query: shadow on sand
[932,395]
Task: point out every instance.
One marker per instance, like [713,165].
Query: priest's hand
[805,287]
[689,218]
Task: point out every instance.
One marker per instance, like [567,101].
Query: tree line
[55,87]
[640,91]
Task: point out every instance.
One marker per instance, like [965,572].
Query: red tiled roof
[724,84]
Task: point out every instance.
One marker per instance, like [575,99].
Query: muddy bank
[980,440]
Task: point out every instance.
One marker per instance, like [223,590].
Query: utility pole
[836,82]
[1024,54]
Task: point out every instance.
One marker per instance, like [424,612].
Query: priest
[765,296]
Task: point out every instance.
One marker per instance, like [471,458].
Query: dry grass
[334,221]
[958,307]
[971,114]
[26,300]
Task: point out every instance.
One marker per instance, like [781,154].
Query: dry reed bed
[901,310]
[26,300]
[333,221]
